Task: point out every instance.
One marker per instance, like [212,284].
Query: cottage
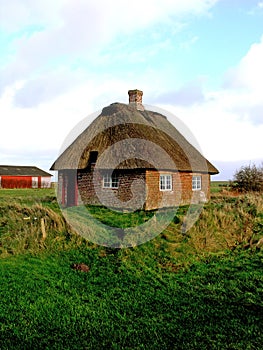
[12,176]
[132,158]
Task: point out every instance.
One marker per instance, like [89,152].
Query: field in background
[219,186]
[198,290]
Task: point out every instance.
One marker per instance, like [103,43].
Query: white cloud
[248,74]
[228,123]
[44,97]
[120,14]
[244,84]
[189,94]
[69,29]
[45,88]
[16,14]
[221,135]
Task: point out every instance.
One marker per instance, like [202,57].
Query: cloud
[233,114]
[46,87]
[16,14]
[39,157]
[220,133]
[188,95]
[46,93]
[244,84]
[119,13]
[248,74]
[68,30]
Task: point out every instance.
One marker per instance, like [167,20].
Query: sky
[200,60]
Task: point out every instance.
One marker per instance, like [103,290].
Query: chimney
[135,98]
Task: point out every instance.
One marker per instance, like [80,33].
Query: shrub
[248,178]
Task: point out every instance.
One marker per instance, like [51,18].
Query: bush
[248,178]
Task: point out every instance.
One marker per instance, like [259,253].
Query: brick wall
[140,189]
[130,194]
[181,193]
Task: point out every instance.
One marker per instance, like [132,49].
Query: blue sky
[200,60]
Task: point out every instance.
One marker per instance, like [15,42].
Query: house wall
[181,193]
[138,189]
[25,181]
[44,182]
[16,181]
[130,194]
[67,190]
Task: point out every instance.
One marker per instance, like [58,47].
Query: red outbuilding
[14,176]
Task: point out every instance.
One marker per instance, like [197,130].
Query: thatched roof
[22,170]
[128,138]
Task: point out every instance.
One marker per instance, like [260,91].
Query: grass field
[218,186]
[200,290]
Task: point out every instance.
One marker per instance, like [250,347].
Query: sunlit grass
[200,289]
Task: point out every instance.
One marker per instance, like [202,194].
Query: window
[165,182]
[110,181]
[196,183]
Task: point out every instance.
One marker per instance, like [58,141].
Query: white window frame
[110,181]
[166,182]
[196,182]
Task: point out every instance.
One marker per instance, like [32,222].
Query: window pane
[115,181]
[106,180]
[110,181]
[168,182]
[165,182]
[162,179]
[106,183]
[196,183]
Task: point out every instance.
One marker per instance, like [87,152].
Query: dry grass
[29,228]
[227,223]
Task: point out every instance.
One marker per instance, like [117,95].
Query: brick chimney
[135,98]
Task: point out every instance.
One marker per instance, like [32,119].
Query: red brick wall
[181,193]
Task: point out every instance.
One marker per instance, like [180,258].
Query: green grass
[43,196]
[122,304]
[119,219]
[26,194]
[218,186]
[202,289]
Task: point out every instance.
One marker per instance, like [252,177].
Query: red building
[12,176]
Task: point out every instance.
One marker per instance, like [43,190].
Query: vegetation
[249,178]
[219,186]
[202,289]
[119,219]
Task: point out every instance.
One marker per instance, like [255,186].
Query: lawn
[176,291]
